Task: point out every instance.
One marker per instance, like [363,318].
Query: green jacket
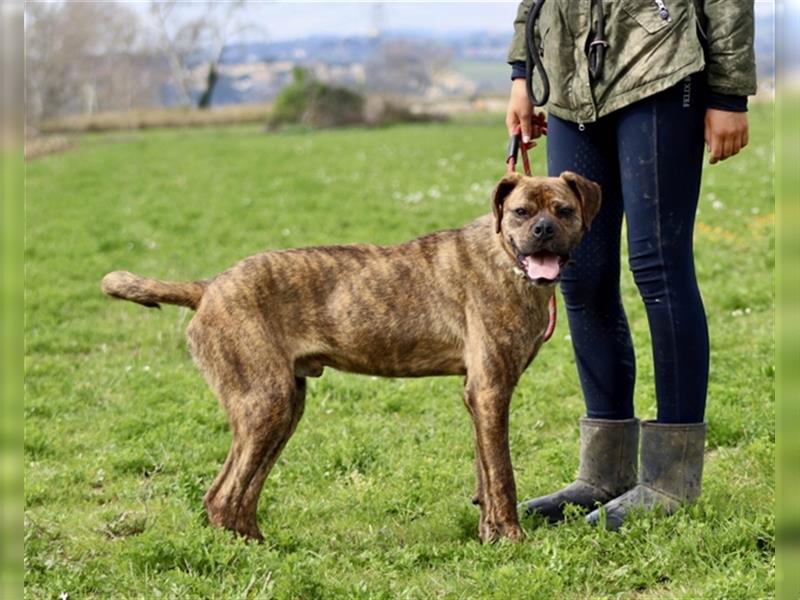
[646,53]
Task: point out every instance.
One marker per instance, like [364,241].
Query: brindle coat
[449,303]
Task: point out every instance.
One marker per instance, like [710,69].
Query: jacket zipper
[663,11]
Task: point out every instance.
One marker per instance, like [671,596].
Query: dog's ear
[501,192]
[589,194]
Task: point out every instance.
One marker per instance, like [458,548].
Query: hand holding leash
[520,113]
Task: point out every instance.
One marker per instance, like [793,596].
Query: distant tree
[193,34]
[308,102]
[83,57]
[406,66]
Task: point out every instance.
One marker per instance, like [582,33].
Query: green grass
[371,498]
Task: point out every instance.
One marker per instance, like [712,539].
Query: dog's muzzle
[543,267]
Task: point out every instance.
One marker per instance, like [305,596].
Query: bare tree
[83,57]
[406,66]
[192,36]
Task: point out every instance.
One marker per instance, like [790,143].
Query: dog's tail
[149,292]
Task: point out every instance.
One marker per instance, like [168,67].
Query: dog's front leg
[480,476]
[496,491]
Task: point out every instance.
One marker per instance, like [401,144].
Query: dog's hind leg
[261,421]
[257,388]
[247,520]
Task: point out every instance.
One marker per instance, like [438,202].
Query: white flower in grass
[755,210]
[717,205]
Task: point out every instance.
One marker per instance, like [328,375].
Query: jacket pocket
[652,16]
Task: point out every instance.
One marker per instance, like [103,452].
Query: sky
[275,21]
[283,21]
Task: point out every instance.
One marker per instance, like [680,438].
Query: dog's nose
[543,229]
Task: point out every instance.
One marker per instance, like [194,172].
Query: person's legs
[660,143]
[599,329]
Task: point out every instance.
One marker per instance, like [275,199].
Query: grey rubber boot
[608,457]
[671,471]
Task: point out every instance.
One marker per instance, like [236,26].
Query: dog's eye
[520,212]
[565,211]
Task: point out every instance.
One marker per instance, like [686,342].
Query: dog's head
[540,220]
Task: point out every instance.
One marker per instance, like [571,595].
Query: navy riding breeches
[648,159]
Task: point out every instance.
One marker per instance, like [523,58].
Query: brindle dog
[471,301]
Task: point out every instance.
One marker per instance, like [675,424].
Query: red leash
[515,146]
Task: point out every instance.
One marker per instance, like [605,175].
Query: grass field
[371,498]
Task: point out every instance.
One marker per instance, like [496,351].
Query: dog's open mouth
[543,267]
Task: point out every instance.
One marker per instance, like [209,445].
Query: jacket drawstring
[597,47]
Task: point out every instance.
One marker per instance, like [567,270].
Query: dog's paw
[491,533]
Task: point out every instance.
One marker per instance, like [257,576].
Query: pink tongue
[544,266]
